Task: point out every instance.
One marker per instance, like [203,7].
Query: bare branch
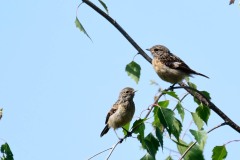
[197,94]
[119,28]
[155,102]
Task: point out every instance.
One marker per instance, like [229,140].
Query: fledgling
[168,66]
[121,112]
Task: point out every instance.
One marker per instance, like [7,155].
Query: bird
[121,112]
[169,67]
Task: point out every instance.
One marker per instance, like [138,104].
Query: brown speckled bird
[121,112]
[168,66]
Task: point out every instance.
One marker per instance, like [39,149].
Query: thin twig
[188,149]
[187,129]
[143,111]
[181,100]
[156,100]
[171,150]
[112,149]
[184,97]
[99,153]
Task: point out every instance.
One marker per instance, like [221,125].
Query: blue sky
[57,86]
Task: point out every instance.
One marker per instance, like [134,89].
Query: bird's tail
[200,74]
[105,130]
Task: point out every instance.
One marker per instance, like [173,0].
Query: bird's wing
[175,62]
[111,112]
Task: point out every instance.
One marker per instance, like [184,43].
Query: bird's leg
[129,134]
[120,139]
[116,134]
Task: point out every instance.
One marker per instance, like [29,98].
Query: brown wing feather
[111,112]
[175,62]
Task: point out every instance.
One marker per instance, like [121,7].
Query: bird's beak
[135,91]
[148,49]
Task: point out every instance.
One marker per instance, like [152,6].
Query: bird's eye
[156,49]
[127,91]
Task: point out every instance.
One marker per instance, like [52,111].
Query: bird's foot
[120,140]
[172,87]
[129,134]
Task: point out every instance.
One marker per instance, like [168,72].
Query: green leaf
[203,112]
[133,70]
[180,110]
[159,135]
[182,148]
[219,153]
[192,85]
[169,158]
[156,122]
[80,26]
[194,153]
[197,120]
[171,93]
[176,128]
[200,137]
[206,94]
[104,5]
[6,151]
[164,104]
[141,140]
[152,144]
[196,100]
[173,125]
[126,126]
[138,128]
[147,157]
[187,79]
